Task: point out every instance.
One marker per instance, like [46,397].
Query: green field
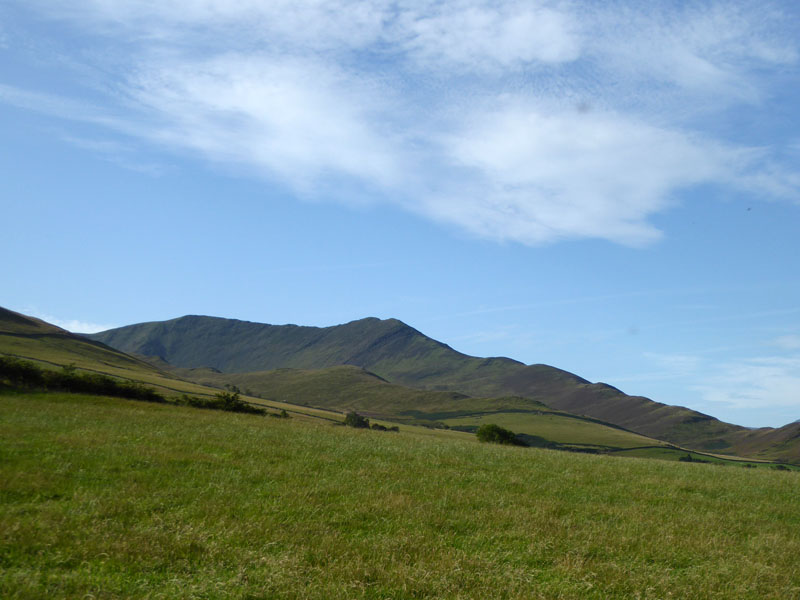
[347,388]
[108,498]
[557,427]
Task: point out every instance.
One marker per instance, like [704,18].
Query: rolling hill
[317,394]
[109,498]
[349,388]
[50,346]
[400,354]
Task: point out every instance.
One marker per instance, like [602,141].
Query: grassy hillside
[50,346]
[309,394]
[347,388]
[325,394]
[110,499]
[404,356]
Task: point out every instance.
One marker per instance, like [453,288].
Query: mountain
[325,394]
[398,352]
[402,355]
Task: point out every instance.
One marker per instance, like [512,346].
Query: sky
[611,188]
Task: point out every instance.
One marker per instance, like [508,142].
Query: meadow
[111,498]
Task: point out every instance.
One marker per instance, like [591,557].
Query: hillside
[349,388]
[106,498]
[527,399]
[402,355]
[322,394]
[50,346]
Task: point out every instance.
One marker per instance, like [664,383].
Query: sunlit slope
[322,394]
[118,499]
[348,388]
[32,339]
[403,355]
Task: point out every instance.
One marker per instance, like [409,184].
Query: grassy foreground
[108,498]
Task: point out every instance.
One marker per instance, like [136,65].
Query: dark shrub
[229,401]
[495,434]
[25,374]
[353,419]
[20,373]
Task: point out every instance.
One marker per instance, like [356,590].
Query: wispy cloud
[73,325]
[294,119]
[115,152]
[787,342]
[756,382]
[77,326]
[735,385]
[522,121]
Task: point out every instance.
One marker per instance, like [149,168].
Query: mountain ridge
[403,355]
[443,384]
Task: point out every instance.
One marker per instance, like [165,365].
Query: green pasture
[106,498]
[556,427]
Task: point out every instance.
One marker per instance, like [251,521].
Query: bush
[25,374]
[228,401]
[353,419]
[20,373]
[495,434]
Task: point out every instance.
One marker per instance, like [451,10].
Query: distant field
[103,498]
[350,388]
[561,429]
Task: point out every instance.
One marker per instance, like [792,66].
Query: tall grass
[108,498]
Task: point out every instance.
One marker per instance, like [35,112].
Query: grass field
[107,498]
[557,427]
[351,388]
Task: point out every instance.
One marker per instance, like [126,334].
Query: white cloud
[760,391]
[53,105]
[72,325]
[296,119]
[489,35]
[550,175]
[77,326]
[788,342]
[736,383]
[463,111]
[710,51]
[755,383]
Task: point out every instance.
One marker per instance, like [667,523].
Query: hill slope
[346,388]
[115,499]
[321,394]
[403,355]
[33,339]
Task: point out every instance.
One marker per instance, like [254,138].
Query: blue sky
[607,188]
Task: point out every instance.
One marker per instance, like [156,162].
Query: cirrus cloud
[523,121]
